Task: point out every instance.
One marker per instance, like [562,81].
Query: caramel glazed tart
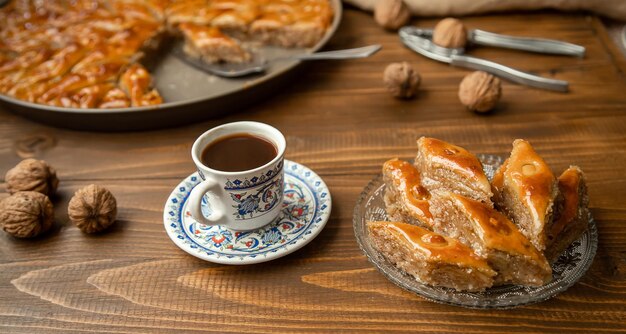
[84,54]
[472,221]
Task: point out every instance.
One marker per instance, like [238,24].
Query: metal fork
[260,65]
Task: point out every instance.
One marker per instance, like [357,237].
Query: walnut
[401,80]
[32,175]
[92,208]
[450,33]
[26,214]
[480,91]
[391,14]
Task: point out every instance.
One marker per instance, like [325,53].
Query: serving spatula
[259,64]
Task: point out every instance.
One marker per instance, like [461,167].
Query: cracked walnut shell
[450,33]
[92,209]
[401,80]
[480,91]
[26,214]
[32,175]
[391,14]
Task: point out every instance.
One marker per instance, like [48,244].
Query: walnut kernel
[480,91]
[391,14]
[450,33]
[92,209]
[32,175]
[26,214]
[401,80]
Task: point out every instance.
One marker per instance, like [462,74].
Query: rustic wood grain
[340,121]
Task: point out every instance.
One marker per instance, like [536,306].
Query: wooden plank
[134,273]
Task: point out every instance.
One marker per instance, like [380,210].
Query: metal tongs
[420,41]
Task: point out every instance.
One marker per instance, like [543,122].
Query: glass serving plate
[566,271]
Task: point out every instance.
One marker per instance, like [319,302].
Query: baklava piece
[447,167]
[64,87]
[114,98]
[191,11]
[14,68]
[134,10]
[525,189]
[144,10]
[211,45]
[292,23]
[135,40]
[136,82]
[405,198]
[234,16]
[40,78]
[572,217]
[92,71]
[86,97]
[429,257]
[492,236]
[101,66]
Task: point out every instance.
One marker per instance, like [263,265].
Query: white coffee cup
[243,200]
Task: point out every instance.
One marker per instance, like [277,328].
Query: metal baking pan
[190,95]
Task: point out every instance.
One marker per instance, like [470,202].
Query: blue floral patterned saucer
[306,209]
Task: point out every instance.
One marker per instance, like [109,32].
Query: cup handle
[217,216]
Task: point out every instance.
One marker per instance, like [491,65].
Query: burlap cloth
[611,8]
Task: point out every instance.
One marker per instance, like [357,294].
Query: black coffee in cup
[238,152]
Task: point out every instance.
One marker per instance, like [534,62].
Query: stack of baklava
[451,227]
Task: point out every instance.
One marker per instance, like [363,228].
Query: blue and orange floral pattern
[306,205]
[255,181]
[256,203]
[293,218]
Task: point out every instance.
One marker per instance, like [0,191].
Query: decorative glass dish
[567,270]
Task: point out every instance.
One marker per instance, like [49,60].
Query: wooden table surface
[338,120]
